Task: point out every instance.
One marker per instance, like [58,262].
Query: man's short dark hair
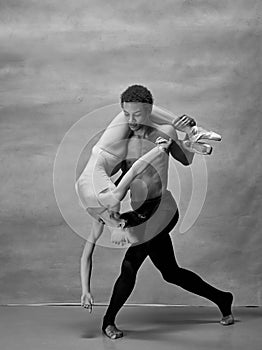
[137,93]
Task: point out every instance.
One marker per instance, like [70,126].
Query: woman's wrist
[86,291]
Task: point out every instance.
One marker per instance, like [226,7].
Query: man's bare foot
[226,309]
[112,332]
[227,320]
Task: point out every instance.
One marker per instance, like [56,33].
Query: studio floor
[145,327]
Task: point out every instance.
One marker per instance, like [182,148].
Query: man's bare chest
[138,146]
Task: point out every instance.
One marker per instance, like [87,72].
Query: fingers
[88,306]
[184,121]
[160,140]
[87,302]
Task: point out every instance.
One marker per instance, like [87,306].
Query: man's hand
[163,143]
[87,301]
[119,236]
[184,123]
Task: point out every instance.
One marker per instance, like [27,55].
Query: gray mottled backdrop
[60,59]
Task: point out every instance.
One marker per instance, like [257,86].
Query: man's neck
[141,132]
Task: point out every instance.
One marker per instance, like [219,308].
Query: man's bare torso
[153,181]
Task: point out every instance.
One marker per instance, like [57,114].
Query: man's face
[137,114]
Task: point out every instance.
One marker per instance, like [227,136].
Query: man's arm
[180,153]
[86,265]
[176,148]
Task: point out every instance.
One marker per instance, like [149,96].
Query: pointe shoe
[112,332]
[197,147]
[198,133]
[227,320]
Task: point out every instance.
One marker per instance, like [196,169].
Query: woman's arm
[86,265]
[162,116]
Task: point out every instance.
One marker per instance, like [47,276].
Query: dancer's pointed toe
[199,133]
[214,136]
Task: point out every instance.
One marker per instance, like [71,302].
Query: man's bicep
[178,153]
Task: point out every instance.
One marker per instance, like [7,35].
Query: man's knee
[127,270]
[173,275]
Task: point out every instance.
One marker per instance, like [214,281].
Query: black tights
[160,251]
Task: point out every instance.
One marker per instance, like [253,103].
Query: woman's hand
[87,301]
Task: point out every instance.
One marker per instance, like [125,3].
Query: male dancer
[136,103]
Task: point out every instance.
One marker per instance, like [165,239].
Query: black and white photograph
[131,197]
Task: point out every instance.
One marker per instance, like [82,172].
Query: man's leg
[161,253]
[133,259]
[123,287]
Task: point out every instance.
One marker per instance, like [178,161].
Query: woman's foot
[197,147]
[112,332]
